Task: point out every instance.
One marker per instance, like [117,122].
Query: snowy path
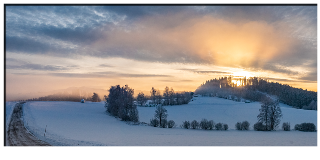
[17,134]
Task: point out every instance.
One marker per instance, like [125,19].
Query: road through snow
[17,134]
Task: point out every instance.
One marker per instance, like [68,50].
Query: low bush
[218,126]
[307,127]
[245,125]
[238,126]
[185,124]
[297,127]
[259,126]
[286,126]
[242,125]
[225,127]
[164,123]
[154,122]
[210,125]
[171,124]
[194,124]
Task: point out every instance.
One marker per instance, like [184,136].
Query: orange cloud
[199,39]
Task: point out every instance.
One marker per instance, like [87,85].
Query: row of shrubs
[245,125]
[242,125]
[204,124]
[164,123]
[306,127]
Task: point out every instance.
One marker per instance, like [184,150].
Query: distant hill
[256,89]
[68,94]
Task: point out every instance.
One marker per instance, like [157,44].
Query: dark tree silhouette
[253,89]
[160,113]
[141,99]
[166,95]
[95,98]
[120,103]
[270,114]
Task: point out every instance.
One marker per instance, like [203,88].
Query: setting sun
[237,82]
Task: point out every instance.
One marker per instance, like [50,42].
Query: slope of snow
[75,123]
[226,111]
[9,109]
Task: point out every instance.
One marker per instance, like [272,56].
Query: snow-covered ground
[75,123]
[9,109]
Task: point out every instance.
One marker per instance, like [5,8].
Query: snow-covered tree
[120,103]
[154,122]
[286,126]
[204,124]
[270,114]
[194,124]
[245,125]
[219,126]
[171,124]
[160,113]
[185,124]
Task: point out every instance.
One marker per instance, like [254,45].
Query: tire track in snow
[17,134]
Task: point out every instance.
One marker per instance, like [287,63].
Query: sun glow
[237,82]
[242,74]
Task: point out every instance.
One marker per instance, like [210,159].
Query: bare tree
[141,99]
[161,113]
[171,96]
[153,92]
[270,114]
[166,96]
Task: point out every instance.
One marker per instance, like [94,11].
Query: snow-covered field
[75,123]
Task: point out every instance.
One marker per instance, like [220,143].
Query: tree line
[67,97]
[255,89]
[121,103]
[169,97]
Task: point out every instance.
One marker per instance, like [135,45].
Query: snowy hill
[75,123]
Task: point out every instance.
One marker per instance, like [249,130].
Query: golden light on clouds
[158,48]
[208,39]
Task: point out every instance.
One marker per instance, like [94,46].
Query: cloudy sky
[56,47]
